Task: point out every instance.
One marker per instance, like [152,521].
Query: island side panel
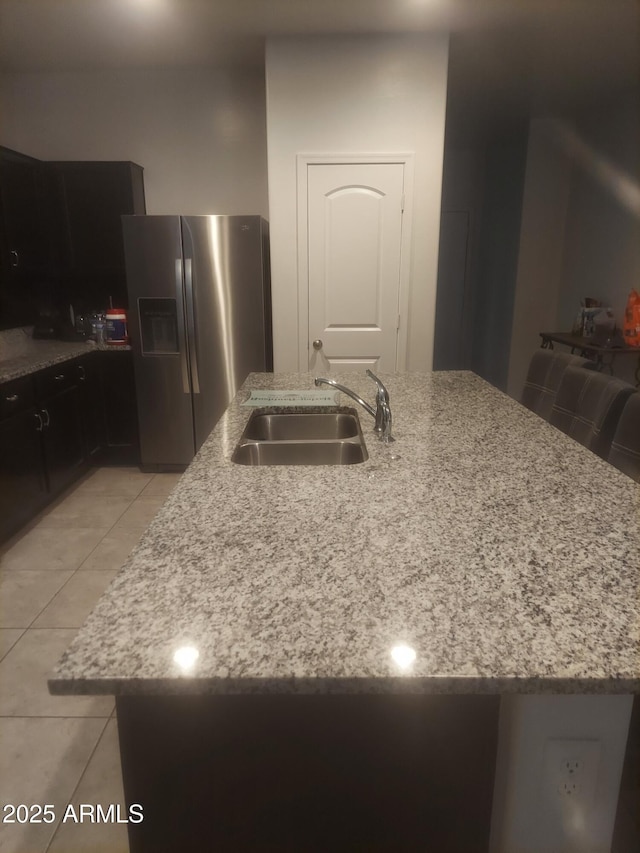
[532,811]
[313,773]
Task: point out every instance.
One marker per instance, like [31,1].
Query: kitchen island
[504,554]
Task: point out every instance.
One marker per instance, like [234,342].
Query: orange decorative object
[631,325]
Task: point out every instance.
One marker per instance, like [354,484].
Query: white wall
[542,235]
[528,815]
[200,134]
[355,95]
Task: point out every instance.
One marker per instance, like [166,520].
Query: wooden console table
[604,357]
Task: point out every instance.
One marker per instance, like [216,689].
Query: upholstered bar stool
[625,447]
[588,406]
[545,373]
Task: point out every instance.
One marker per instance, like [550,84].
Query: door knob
[317,344]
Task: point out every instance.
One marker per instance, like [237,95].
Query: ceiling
[506,55]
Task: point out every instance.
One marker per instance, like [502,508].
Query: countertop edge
[394,684]
[45,361]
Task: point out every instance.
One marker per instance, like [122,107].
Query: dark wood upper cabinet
[61,234]
[86,201]
[25,262]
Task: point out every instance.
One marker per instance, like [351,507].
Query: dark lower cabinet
[64,447]
[361,773]
[58,422]
[121,441]
[63,439]
[89,377]
[23,485]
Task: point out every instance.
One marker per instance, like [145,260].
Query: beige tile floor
[64,749]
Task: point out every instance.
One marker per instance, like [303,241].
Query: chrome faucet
[382,412]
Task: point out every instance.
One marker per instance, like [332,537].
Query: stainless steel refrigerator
[199,322]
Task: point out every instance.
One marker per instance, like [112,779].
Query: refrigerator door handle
[191,324]
[182,338]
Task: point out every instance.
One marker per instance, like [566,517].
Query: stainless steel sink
[299,453]
[312,426]
[310,438]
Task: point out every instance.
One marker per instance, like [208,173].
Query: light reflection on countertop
[403,657]
[185,657]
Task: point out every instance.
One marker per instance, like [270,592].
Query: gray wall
[542,234]
[200,134]
[580,233]
[495,283]
[462,184]
[602,237]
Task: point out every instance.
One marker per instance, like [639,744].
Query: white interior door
[354,234]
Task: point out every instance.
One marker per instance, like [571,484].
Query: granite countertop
[501,551]
[21,354]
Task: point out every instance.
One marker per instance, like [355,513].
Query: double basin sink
[294,438]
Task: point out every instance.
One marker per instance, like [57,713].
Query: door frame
[303,161]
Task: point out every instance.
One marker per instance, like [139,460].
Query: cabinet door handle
[82,372]
[39,419]
[59,377]
[12,398]
[46,415]
[15,258]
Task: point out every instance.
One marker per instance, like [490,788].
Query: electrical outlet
[569,788]
[572,766]
[570,771]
